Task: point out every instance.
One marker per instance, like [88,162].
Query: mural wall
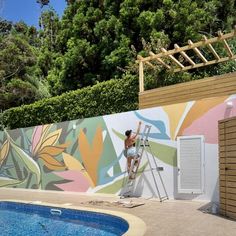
[86,155]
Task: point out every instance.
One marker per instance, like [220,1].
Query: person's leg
[137,159]
[129,160]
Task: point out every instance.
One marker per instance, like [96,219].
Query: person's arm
[138,130]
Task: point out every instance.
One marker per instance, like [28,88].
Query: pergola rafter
[189,63]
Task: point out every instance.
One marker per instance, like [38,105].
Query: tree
[100,39]
[94,39]
[43,2]
[5,26]
[18,84]
[49,26]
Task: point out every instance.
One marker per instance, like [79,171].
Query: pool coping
[137,227]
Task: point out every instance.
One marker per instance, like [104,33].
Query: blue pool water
[17,219]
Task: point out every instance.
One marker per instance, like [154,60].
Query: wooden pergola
[179,59]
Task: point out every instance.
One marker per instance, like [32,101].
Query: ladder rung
[164,198]
[158,168]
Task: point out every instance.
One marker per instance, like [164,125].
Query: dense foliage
[20,78]
[95,37]
[96,40]
[108,97]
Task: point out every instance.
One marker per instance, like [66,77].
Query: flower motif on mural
[44,147]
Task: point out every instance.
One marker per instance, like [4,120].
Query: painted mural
[86,155]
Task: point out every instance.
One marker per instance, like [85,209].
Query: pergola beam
[160,61]
[197,51]
[196,48]
[183,54]
[173,59]
[205,64]
[147,62]
[225,44]
[188,47]
[211,48]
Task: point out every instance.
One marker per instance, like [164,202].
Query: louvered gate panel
[190,164]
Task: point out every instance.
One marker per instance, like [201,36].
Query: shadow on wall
[137,188]
[216,194]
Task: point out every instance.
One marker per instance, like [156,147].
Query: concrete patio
[169,218]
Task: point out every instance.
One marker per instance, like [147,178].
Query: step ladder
[143,147]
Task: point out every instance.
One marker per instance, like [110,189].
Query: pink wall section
[78,182]
[207,125]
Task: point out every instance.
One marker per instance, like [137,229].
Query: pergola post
[141,77]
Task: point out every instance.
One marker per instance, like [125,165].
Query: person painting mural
[130,150]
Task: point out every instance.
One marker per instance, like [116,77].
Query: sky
[27,10]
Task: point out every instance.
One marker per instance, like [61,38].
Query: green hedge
[108,97]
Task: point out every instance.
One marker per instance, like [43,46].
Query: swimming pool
[28,219]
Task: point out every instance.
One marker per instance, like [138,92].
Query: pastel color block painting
[87,154]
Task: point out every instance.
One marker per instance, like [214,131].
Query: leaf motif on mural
[175,114]
[38,135]
[29,163]
[160,125]
[4,170]
[91,154]
[104,177]
[74,164]
[4,151]
[8,182]
[44,148]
